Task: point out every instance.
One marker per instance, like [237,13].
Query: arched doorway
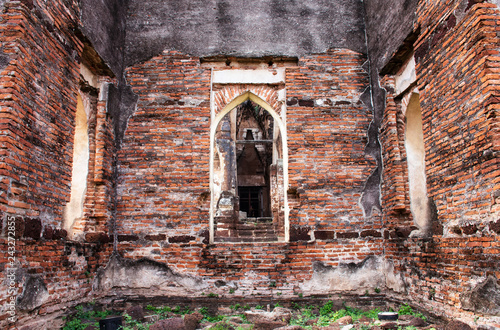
[247,181]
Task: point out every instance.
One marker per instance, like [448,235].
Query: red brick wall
[98,205]
[68,270]
[163,170]
[456,64]
[392,134]
[39,87]
[38,97]
[164,159]
[164,173]
[162,179]
[457,77]
[253,266]
[327,128]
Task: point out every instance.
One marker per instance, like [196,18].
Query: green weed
[328,315]
[406,309]
[83,318]
[326,309]
[131,324]
[324,315]
[210,318]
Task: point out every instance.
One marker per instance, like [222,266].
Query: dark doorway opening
[251,201]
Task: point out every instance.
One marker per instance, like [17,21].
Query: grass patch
[328,315]
[305,316]
[210,318]
[406,309]
[83,318]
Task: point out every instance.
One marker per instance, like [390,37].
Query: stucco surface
[248,28]
[388,23]
[104,25]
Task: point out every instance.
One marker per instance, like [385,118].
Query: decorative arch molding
[223,101]
[230,96]
[248,95]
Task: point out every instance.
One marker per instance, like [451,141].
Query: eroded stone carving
[484,298]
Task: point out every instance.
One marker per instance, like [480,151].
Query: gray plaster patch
[146,274]
[373,272]
[104,23]
[388,23]
[370,198]
[242,28]
[34,293]
[4,58]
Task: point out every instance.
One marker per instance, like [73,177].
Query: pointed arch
[216,120]
[239,100]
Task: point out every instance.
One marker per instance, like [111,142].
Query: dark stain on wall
[388,24]
[242,28]
[4,58]
[104,25]
[374,99]
[32,228]
[121,105]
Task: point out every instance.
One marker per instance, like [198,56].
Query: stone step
[246,239]
[252,226]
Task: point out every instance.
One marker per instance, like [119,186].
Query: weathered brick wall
[163,207]
[457,77]
[162,177]
[267,269]
[392,136]
[163,163]
[163,170]
[438,272]
[51,274]
[164,158]
[327,125]
[456,64]
[39,82]
[39,87]
[95,225]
